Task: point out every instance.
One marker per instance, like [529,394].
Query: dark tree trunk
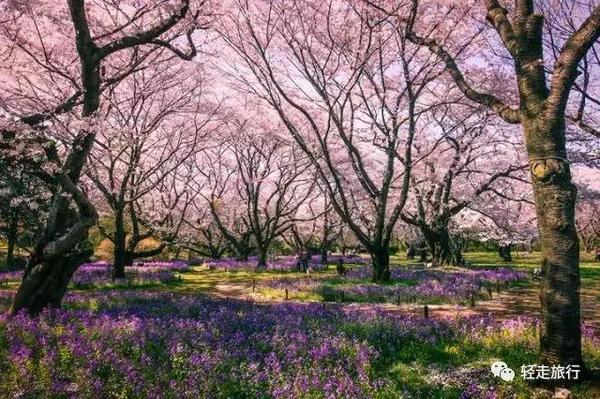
[324,255]
[381,265]
[504,251]
[262,258]
[46,284]
[423,252]
[555,198]
[129,258]
[443,252]
[46,279]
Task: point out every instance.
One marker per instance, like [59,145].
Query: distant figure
[340,268]
[423,252]
[299,262]
[302,261]
[597,258]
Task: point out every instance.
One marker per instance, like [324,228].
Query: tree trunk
[262,258]
[45,281]
[441,248]
[381,265]
[119,246]
[129,258]
[46,284]
[504,251]
[324,255]
[555,198]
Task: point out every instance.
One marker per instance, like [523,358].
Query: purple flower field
[409,285]
[99,273]
[280,263]
[162,345]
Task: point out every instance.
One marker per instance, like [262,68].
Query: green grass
[408,364]
[520,259]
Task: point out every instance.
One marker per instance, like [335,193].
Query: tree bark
[46,278]
[504,251]
[324,255]
[381,264]
[46,284]
[441,247]
[555,198]
[262,258]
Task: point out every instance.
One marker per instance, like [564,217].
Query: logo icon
[501,369]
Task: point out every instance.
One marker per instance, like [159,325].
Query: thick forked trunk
[441,253]
[46,284]
[119,256]
[555,198]
[441,247]
[381,264]
[46,279]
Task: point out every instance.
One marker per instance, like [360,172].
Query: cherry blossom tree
[152,124]
[271,178]
[349,91]
[506,219]
[319,229]
[453,171]
[23,202]
[588,219]
[213,191]
[201,235]
[161,214]
[540,104]
[58,60]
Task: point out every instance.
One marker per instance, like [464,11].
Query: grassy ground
[414,367]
